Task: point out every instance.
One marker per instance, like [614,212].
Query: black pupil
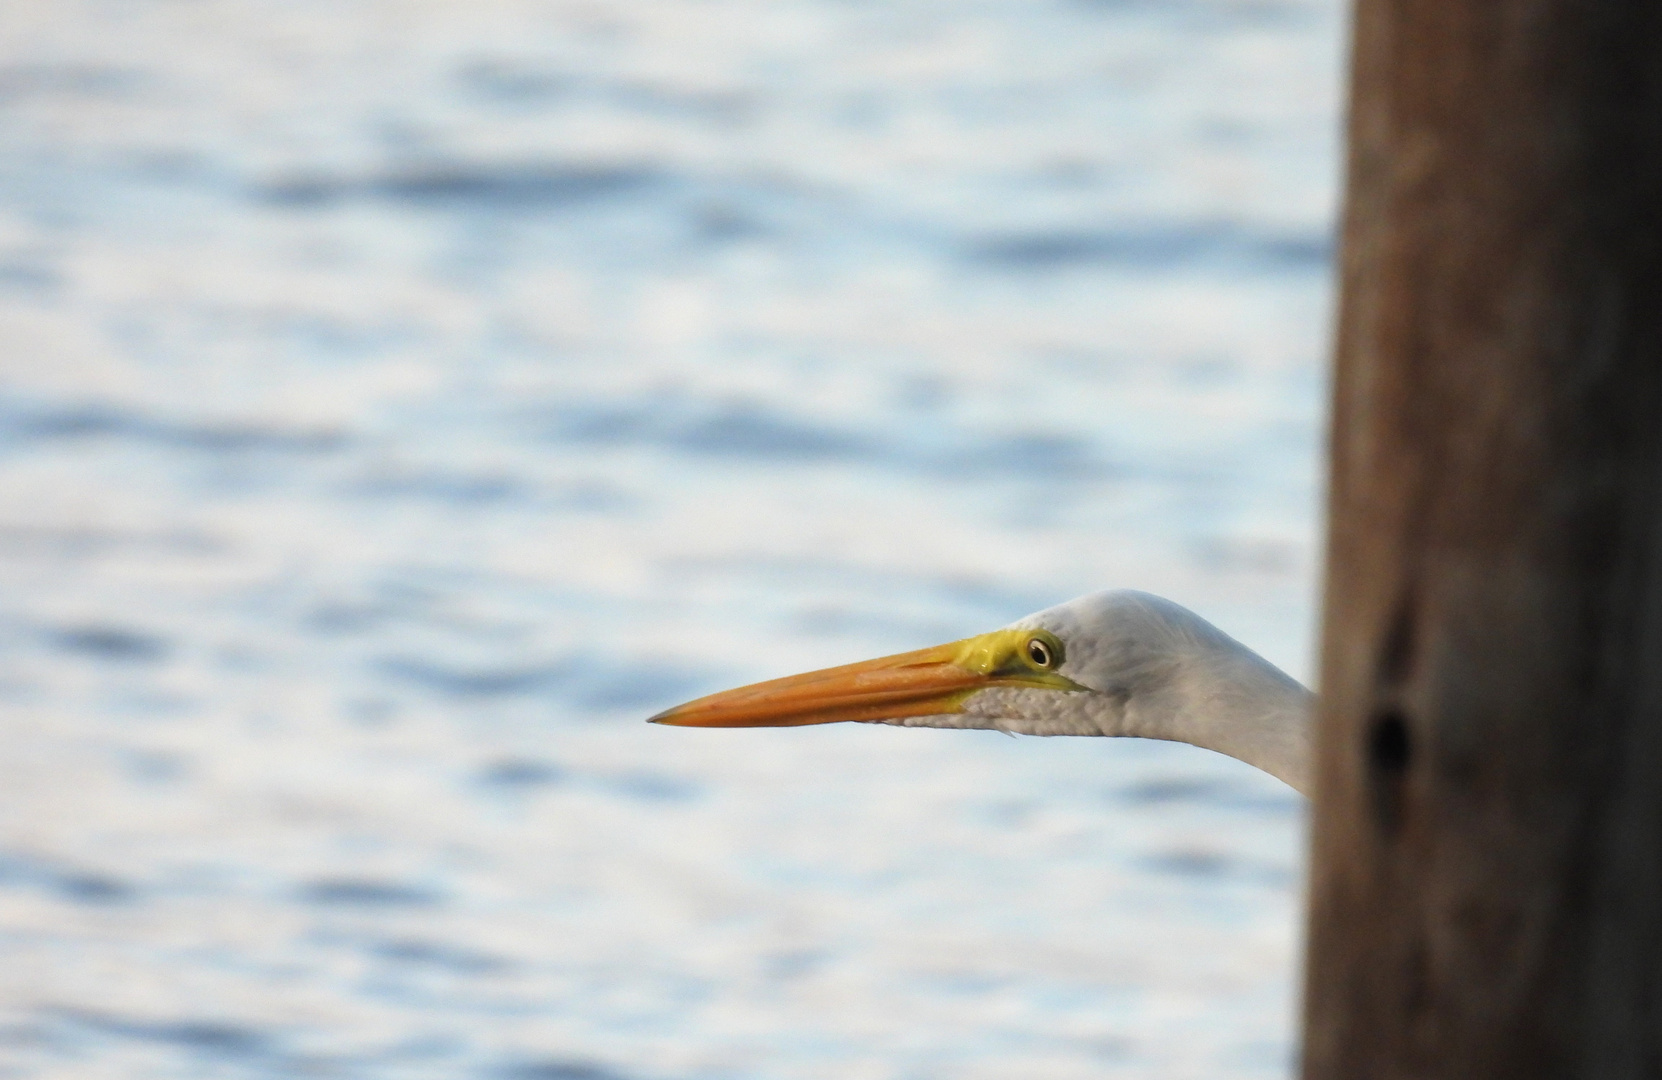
[1040,654]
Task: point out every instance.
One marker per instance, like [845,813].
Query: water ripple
[500,185]
[1155,248]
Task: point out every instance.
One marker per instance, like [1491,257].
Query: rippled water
[399,401]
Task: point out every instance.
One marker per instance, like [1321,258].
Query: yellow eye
[1039,651]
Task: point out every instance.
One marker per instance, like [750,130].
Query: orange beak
[923,683]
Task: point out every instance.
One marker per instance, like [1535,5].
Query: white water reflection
[399,402]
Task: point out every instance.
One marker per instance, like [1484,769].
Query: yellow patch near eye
[1005,658]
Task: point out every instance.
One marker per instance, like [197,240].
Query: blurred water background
[401,400]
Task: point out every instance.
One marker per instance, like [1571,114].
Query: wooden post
[1486,880]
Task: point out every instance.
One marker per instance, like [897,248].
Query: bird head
[1067,670]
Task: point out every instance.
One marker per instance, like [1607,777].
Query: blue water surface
[399,402]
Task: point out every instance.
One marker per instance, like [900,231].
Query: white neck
[1229,699]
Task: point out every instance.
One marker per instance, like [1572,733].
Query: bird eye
[1039,652]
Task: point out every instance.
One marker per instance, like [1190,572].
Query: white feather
[1154,670]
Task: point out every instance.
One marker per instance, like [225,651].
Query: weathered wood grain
[1486,882]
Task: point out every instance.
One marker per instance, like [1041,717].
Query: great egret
[1110,663]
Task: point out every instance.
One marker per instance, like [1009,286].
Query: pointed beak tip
[912,684]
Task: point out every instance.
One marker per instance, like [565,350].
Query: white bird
[1110,663]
